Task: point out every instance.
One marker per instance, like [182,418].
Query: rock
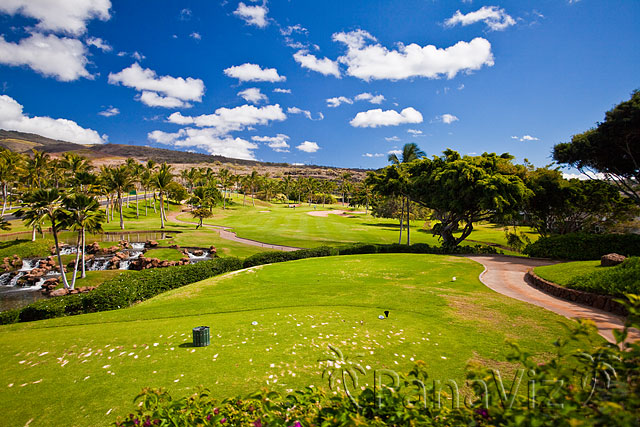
[185,260]
[59,292]
[121,255]
[93,248]
[198,252]
[213,249]
[610,260]
[124,244]
[151,244]
[175,246]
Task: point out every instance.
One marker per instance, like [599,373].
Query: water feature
[193,258]
[115,236]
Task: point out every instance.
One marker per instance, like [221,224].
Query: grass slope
[563,273]
[81,370]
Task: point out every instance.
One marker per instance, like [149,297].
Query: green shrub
[583,246]
[616,281]
[122,291]
[416,248]
[595,386]
[273,257]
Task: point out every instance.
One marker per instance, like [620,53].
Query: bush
[616,281]
[122,291]
[273,257]
[583,246]
[416,248]
[593,386]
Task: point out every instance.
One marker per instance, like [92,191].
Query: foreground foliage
[598,386]
[616,281]
[582,246]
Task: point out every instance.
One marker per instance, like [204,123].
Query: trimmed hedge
[416,248]
[273,257]
[122,291]
[583,246]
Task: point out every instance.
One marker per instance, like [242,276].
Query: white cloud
[366,96]
[494,17]
[226,120]
[13,118]
[195,36]
[99,43]
[253,95]
[159,91]
[277,143]
[366,59]
[335,102]
[306,113]
[377,117]
[110,112]
[254,73]
[280,90]
[396,152]
[525,138]
[447,118]
[208,140]
[293,29]
[185,14]
[414,131]
[308,147]
[392,138]
[69,17]
[323,66]
[253,15]
[461,86]
[373,155]
[153,99]
[61,58]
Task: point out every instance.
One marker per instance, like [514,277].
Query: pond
[114,236]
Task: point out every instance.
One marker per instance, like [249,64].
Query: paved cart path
[505,275]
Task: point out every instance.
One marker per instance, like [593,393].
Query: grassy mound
[101,360]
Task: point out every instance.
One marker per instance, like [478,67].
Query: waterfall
[137,246]
[14,279]
[67,250]
[5,278]
[204,256]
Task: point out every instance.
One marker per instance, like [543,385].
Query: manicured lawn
[278,224]
[26,248]
[165,254]
[82,370]
[562,274]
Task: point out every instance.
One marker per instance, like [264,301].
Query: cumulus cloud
[306,113]
[377,117]
[277,143]
[226,120]
[208,140]
[323,66]
[373,155]
[195,36]
[494,17]
[336,101]
[366,96]
[447,118]
[59,57]
[280,90]
[254,73]
[367,59]
[414,131]
[159,91]
[293,29]
[525,138]
[13,118]
[110,112]
[253,15]
[396,152]
[253,95]
[99,43]
[392,138]
[66,16]
[308,147]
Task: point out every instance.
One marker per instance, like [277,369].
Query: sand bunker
[325,214]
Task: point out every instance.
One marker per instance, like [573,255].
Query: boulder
[124,244]
[93,248]
[121,255]
[59,292]
[610,260]
[213,249]
[151,244]
[175,246]
[198,252]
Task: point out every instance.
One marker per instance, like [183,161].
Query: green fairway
[278,224]
[82,370]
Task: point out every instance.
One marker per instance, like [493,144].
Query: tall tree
[121,181]
[10,167]
[162,181]
[410,152]
[612,148]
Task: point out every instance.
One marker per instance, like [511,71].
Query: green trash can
[201,336]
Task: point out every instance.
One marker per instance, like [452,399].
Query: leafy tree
[464,190]
[612,148]
[560,206]
[201,214]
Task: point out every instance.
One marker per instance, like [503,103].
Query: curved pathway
[505,275]
[230,235]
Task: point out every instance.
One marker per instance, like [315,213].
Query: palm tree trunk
[84,245]
[137,211]
[244,197]
[75,266]
[154,202]
[120,208]
[401,218]
[106,209]
[146,203]
[408,222]
[224,199]
[55,240]
[33,234]
[161,212]
[4,197]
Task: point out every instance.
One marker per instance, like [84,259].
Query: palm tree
[225,180]
[410,152]
[82,214]
[10,164]
[47,203]
[161,181]
[346,177]
[74,164]
[121,181]
[253,181]
[33,216]
[326,187]
[151,168]
[137,170]
[37,167]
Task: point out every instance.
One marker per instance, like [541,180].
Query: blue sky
[336,82]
